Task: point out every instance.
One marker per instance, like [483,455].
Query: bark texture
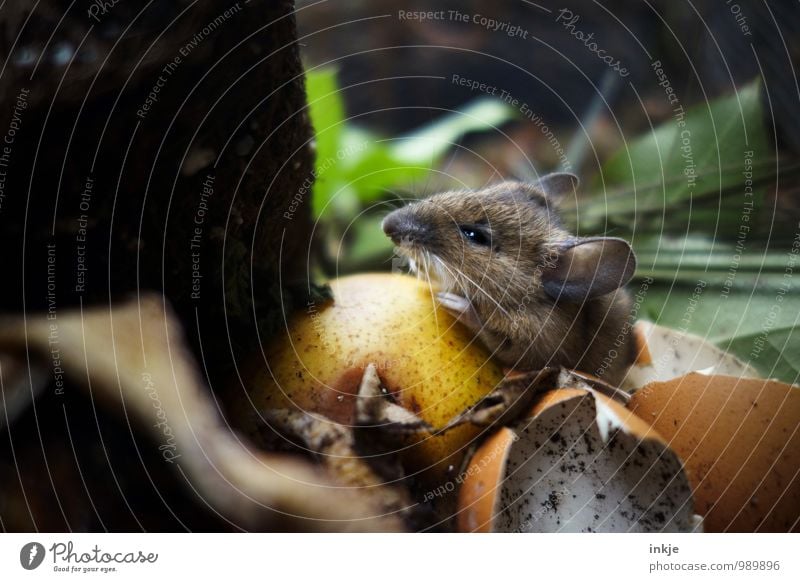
[143,147]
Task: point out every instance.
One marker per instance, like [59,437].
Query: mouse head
[507,240]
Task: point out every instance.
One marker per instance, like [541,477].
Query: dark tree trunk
[168,166]
[154,150]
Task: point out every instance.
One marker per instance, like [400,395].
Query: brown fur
[524,327]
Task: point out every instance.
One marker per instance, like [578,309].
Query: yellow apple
[429,363]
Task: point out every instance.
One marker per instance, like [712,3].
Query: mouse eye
[476,234]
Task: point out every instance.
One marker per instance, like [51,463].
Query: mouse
[505,266]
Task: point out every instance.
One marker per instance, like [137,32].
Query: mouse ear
[558,184]
[589,267]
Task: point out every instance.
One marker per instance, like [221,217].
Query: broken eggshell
[579,462]
[664,354]
[740,442]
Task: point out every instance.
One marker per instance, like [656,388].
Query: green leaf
[426,145]
[375,168]
[326,110]
[695,154]
[742,265]
[354,165]
[774,353]
[753,324]
[740,297]
[369,242]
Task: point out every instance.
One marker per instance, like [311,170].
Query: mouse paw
[461,308]
[512,398]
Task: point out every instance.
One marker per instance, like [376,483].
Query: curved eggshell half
[478,496]
[664,354]
[579,462]
[740,440]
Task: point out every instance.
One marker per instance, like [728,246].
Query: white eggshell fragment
[668,353]
[580,463]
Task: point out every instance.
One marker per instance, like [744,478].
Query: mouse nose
[403,229]
[391,227]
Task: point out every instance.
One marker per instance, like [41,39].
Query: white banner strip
[390,557]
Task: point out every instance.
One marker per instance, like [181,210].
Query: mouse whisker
[482,290]
[447,277]
[394,204]
[419,265]
[459,272]
[427,260]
